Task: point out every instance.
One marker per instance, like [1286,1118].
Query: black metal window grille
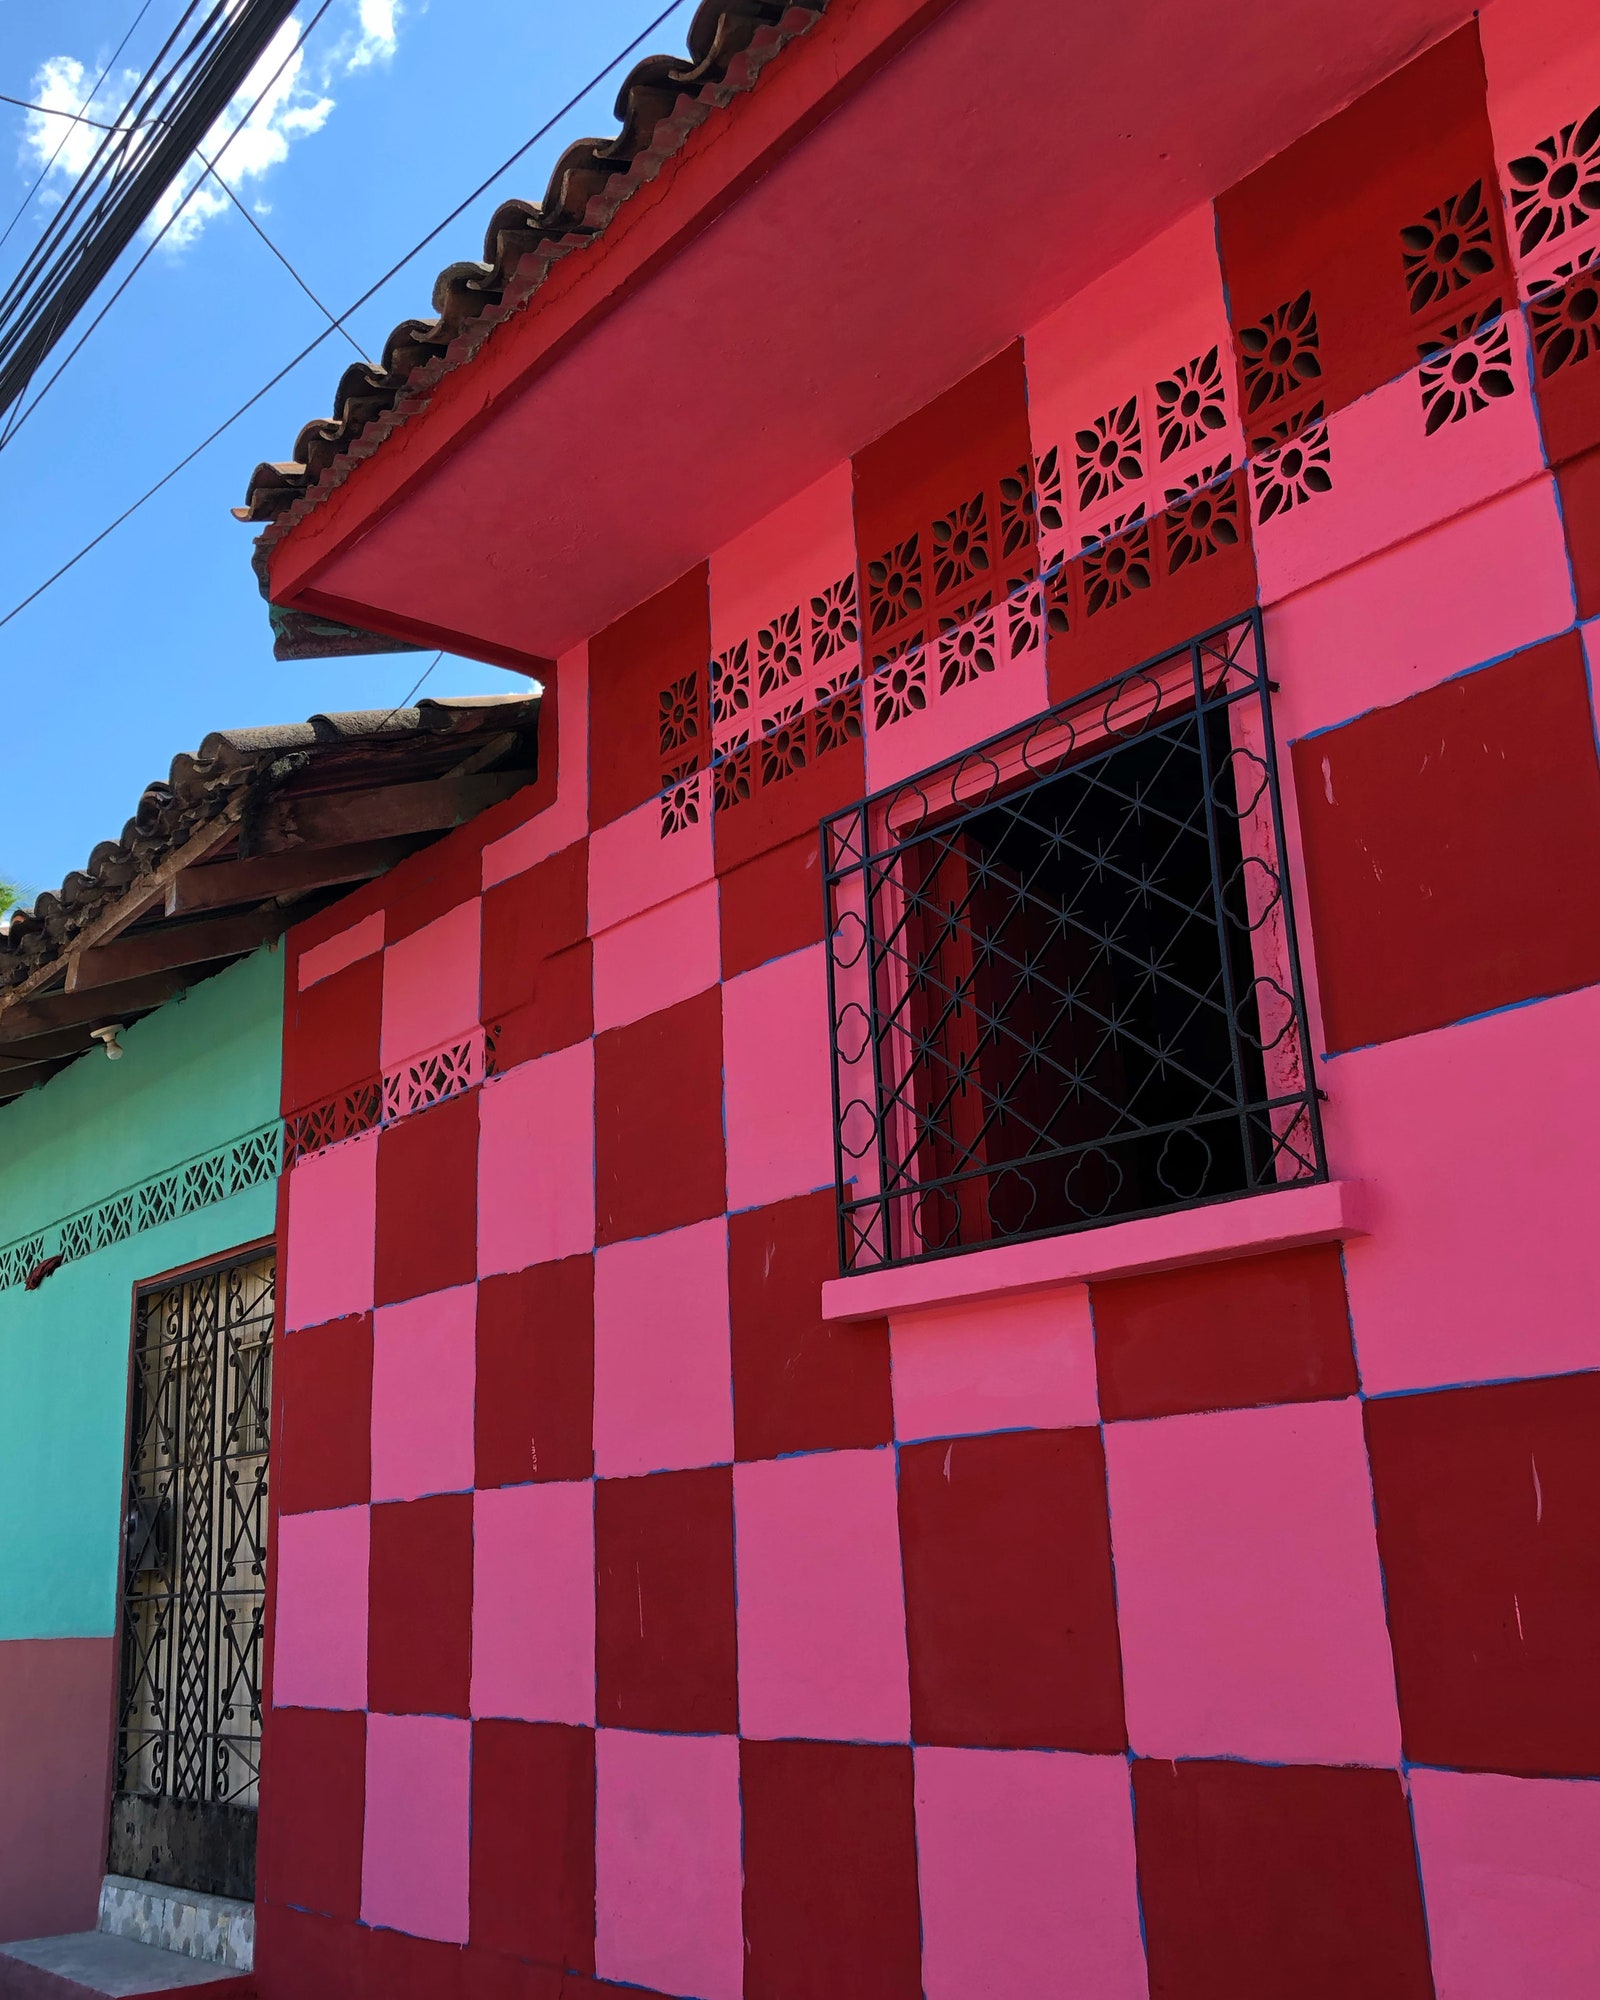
[194,1571]
[1063,978]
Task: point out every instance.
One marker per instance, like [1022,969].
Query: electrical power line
[410,693]
[19,415]
[14,424]
[44,171]
[195,76]
[311,347]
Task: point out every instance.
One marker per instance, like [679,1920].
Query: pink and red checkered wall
[1227,1631]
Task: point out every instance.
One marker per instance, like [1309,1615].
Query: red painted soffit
[908,185]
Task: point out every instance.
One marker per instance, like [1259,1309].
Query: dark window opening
[1063,973]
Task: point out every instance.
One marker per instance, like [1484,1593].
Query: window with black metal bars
[1063,977]
[194,1561]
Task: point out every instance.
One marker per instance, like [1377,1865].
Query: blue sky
[394,114]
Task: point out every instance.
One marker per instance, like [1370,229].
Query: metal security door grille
[194,1571]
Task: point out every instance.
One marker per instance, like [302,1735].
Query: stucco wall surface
[200,1072]
[1208,1632]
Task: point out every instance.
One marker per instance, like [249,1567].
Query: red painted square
[772,905]
[830,1872]
[659,1158]
[299,1953]
[322,1433]
[1010,1613]
[1288,1879]
[607,1989]
[1578,484]
[560,1013]
[1224,1336]
[800,1382]
[488,1975]
[664,1616]
[778,813]
[970,436]
[1566,361]
[1326,215]
[535,1403]
[1487,1504]
[427,1235]
[419,1632]
[313,1809]
[332,1033]
[631,663]
[414,1968]
[533,1841]
[528,919]
[1153,587]
[428,885]
[1442,839]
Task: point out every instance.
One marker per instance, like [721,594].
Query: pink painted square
[631,868]
[1470,589]
[668,1864]
[1248,1591]
[1542,59]
[779,1091]
[663,1367]
[431,984]
[1013,692]
[423,1367]
[414,1863]
[558,825]
[657,958]
[1511,1877]
[1028,1875]
[319,1645]
[995,1365]
[533,1602]
[1391,478]
[536,1162]
[1476,1144]
[333,1208]
[822,1622]
[1167,305]
[343,948]
[787,558]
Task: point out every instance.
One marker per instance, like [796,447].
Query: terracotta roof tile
[663,99]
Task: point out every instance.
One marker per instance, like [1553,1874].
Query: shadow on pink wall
[56,1698]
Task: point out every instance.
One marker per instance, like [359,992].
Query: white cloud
[379,36]
[63,84]
[294,102]
[246,143]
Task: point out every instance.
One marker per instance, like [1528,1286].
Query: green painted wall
[198,1073]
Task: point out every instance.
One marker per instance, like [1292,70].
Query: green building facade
[126,1170]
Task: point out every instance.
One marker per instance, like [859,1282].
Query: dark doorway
[193,1582]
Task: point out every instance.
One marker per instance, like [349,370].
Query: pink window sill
[1284,1219]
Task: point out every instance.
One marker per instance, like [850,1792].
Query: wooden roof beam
[295,873]
[47,1014]
[138,953]
[331,819]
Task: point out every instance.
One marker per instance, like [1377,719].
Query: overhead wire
[53,111]
[18,415]
[311,347]
[44,171]
[195,76]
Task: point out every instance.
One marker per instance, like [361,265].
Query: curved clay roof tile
[466,294]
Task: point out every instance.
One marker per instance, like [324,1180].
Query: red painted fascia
[717,162]
[415,632]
